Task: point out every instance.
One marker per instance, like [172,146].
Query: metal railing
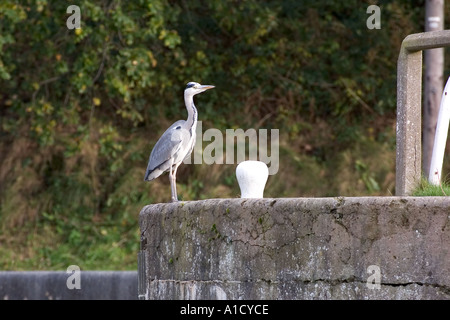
[409,107]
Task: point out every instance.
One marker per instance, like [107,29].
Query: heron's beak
[206,87]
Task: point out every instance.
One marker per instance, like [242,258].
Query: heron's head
[193,88]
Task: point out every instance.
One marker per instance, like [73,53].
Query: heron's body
[169,149]
[177,142]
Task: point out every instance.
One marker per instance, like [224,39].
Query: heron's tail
[152,174]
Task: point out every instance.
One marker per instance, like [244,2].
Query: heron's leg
[174,184]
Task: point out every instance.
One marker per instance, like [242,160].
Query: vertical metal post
[433,81]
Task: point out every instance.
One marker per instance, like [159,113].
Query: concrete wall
[52,285]
[297,248]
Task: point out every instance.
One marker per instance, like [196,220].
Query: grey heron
[177,142]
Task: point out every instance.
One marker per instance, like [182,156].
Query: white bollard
[252,177]
[440,139]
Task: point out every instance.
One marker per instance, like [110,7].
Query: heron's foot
[174,199]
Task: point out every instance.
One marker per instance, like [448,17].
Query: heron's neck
[192,111]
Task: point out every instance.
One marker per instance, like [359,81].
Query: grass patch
[429,190]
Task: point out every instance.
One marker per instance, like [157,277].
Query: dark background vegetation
[82,109]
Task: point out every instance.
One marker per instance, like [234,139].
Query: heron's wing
[165,149]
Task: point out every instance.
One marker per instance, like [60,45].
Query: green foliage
[369,181]
[81,109]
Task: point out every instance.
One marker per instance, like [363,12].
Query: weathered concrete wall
[52,285]
[297,248]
